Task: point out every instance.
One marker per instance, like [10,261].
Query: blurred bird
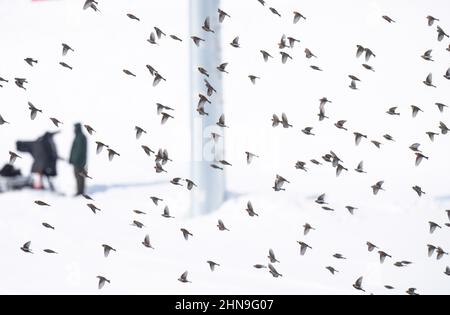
[307,131]
[339,256]
[13,156]
[429,80]
[431,135]
[433,226]
[158,168]
[222,67]
[89,129]
[253,78]
[441,106]
[31,61]
[235,42]
[186,233]
[340,125]
[411,291]
[447,271]
[306,228]
[351,209]
[368,67]
[206,26]
[174,37]
[212,265]
[100,146]
[292,41]
[431,20]
[48,226]
[383,256]
[221,122]
[273,271]
[50,251]
[222,15]
[444,128]
[166,213]
[303,247]
[250,156]
[158,79]
[111,154]
[358,284]
[266,55]
[183,278]
[388,19]
[284,57]
[440,253]
[165,117]
[259,266]
[160,107]
[41,203]
[427,55]
[316,68]
[20,82]
[301,166]
[415,110]
[176,181]
[107,249]
[441,33]
[93,207]
[146,242]
[65,65]
[137,224]
[250,210]
[284,121]
[128,72]
[133,17]
[139,132]
[298,16]
[377,187]
[353,85]
[66,49]
[221,226]
[370,246]
[419,158]
[159,32]
[272,257]
[190,184]
[33,110]
[56,122]
[321,200]
[447,74]
[430,250]
[3,121]
[418,190]
[197,40]
[101,282]
[274,11]
[26,247]
[358,137]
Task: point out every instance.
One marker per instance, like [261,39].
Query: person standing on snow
[78,158]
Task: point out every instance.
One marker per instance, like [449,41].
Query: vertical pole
[210,193]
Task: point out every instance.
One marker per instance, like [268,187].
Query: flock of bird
[162,156]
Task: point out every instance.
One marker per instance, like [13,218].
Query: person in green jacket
[78,158]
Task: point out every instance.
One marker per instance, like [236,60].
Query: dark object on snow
[78,158]
[9,171]
[12,179]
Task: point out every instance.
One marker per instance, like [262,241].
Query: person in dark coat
[78,158]
[45,157]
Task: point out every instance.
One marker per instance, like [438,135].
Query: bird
[259,266]
[137,224]
[273,271]
[306,228]
[235,42]
[284,57]
[427,55]
[262,2]
[340,124]
[31,61]
[160,107]
[441,33]
[358,137]
[158,168]
[431,135]
[250,156]
[89,129]
[448,213]
[146,242]
[444,128]
[91,4]
[197,40]
[368,54]
[20,82]
[418,190]
[440,253]
[315,68]
[101,282]
[26,247]
[128,72]
[292,41]
[111,154]
[415,110]
[433,226]
[100,146]
[210,89]
[447,271]
[212,264]
[93,207]
[33,110]
[383,256]
[298,16]
[279,182]
[358,284]
[250,210]
[301,166]
[430,249]
[65,65]
[41,203]
[321,200]
[221,122]
[158,79]
[139,132]
[221,226]
[253,78]
[353,85]
[190,184]
[307,131]
[222,15]
[351,209]
[429,80]
[272,257]
[411,291]
[133,17]
[377,143]
[415,147]
[388,19]
[48,226]
[66,49]
[174,37]
[284,121]
[166,213]
[360,167]
[216,167]
[139,212]
[447,74]
[339,169]
[331,269]
[265,55]
[165,117]
[388,137]
[203,71]
[371,247]
[274,11]
[107,249]
[339,256]
[176,181]
[377,187]
[186,233]
[206,26]
[441,106]
[3,121]
[159,32]
[303,247]
[183,278]
[431,20]
[419,158]
[368,67]
[13,156]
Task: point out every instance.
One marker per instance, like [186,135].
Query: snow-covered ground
[98,93]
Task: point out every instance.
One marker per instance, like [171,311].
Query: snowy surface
[97,92]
